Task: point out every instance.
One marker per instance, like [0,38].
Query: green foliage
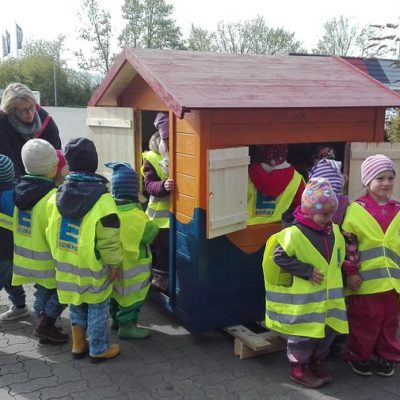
[38,67]
[251,36]
[343,39]
[149,24]
[393,131]
[202,40]
[96,31]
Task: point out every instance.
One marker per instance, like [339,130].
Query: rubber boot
[111,352]
[131,331]
[318,370]
[46,329]
[302,375]
[80,345]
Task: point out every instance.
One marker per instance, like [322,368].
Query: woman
[21,119]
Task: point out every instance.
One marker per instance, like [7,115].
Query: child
[137,232]
[16,294]
[62,168]
[331,170]
[274,185]
[84,238]
[303,281]
[32,258]
[371,227]
[159,186]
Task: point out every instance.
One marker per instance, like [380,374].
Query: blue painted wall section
[217,284]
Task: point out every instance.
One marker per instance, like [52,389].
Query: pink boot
[318,370]
[302,375]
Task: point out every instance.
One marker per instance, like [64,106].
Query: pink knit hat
[373,166]
[318,197]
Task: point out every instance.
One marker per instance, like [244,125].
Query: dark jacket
[152,182]
[321,241]
[7,208]
[11,141]
[29,190]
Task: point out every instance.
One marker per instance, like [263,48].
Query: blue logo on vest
[265,205]
[24,223]
[69,234]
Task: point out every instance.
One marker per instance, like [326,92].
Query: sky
[46,19]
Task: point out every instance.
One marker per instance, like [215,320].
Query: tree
[342,38]
[96,31]
[41,61]
[254,36]
[393,128]
[149,24]
[385,40]
[202,40]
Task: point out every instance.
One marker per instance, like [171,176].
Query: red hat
[61,160]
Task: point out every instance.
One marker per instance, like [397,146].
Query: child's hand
[353,282]
[316,277]
[169,185]
[115,273]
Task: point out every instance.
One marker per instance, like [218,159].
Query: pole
[55,82]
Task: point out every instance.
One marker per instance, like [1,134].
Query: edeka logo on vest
[24,223]
[69,234]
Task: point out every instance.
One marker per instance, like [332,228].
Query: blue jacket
[6,207]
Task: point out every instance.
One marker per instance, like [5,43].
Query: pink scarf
[305,219]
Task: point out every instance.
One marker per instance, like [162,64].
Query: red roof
[186,80]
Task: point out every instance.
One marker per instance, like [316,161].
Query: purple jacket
[152,182]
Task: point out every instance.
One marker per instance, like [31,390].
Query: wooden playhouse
[219,105]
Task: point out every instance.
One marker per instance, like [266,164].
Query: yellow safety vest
[158,207]
[6,221]
[264,209]
[81,275]
[295,306]
[136,272]
[33,262]
[379,252]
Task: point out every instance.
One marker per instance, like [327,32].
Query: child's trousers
[16,294]
[124,315]
[93,318]
[373,324]
[46,302]
[301,349]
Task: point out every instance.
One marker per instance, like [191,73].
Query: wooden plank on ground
[250,344]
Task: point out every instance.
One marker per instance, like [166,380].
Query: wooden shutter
[112,130]
[227,190]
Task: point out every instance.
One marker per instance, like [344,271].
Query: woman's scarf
[26,130]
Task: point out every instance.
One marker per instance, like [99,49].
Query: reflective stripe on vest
[33,261]
[6,221]
[279,204]
[158,207]
[136,272]
[379,252]
[295,306]
[81,276]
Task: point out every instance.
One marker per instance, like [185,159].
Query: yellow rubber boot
[80,345]
[111,352]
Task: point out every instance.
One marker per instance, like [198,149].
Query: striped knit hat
[6,169]
[373,166]
[124,181]
[331,170]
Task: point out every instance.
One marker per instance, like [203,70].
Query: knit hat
[275,154]
[124,181]
[318,197]
[61,160]
[162,125]
[6,169]
[38,157]
[323,151]
[331,170]
[373,166]
[81,155]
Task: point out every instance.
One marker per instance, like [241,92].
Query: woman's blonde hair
[13,93]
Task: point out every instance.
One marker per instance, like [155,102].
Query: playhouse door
[112,130]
